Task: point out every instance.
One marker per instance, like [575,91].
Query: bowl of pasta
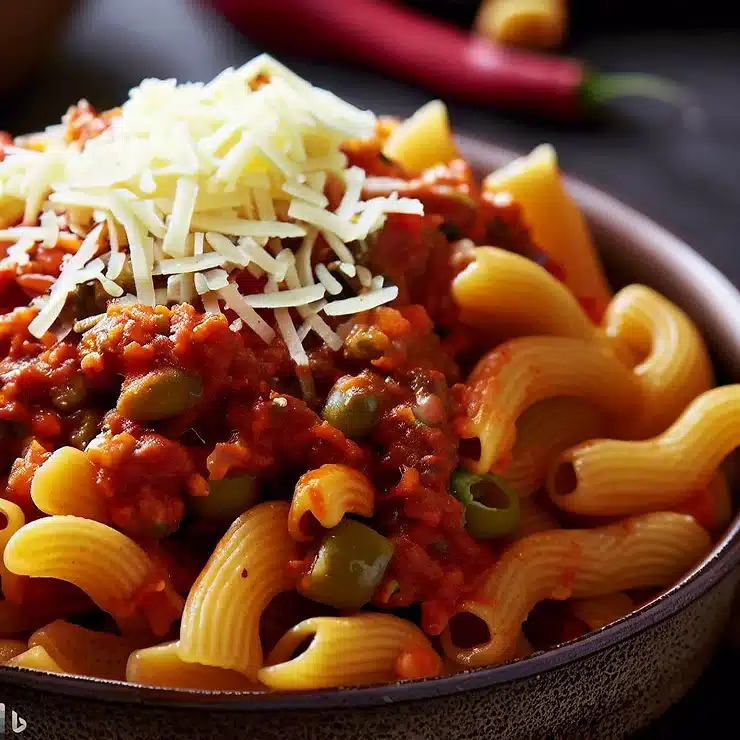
[321,424]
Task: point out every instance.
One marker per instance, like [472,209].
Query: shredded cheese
[193,183]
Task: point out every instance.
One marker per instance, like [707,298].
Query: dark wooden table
[688,180]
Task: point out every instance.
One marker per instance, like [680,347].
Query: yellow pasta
[616,477]
[598,611]
[9,649]
[111,568]
[512,296]
[162,666]
[534,517]
[533,24]
[248,568]
[423,140]
[647,551]
[65,484]
[326,495]
[36,658]
[14,520]
[83,651]
[555,221]
[676,368]
[361,649]
[521,372]
[542,432]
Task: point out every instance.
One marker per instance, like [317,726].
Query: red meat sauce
[148,473]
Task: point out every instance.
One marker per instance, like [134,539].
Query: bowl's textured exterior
[604,685]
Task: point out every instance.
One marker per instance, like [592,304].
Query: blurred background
[683,173]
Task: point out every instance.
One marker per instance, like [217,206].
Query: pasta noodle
[110,567]
[326,495]
[82,651]
[248,568]
[521,372]
[365,648]
[36,658]
[557,225]
[14,520]
[512,296]
[617,477]
[651,550]
[599,611]
[544,431]
[161,665]
[65,484]
[676,368]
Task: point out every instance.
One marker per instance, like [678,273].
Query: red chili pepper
[448,61]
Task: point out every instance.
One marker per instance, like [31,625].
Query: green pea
[227,498]
[85,428]
[352,410]
[348,567]
[160,394]
[70,396]
[491,504]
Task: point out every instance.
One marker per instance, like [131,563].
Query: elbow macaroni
[616,477]
[512,296]
[326,495]
[544,431]
[161,665]
[557,224]
[108,566]
[521,372]
[248,568]
[676,368]
[365,648]
[651,550]
[65,484]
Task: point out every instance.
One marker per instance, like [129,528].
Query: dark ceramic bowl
[604,685]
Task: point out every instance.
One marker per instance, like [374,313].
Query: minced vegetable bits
[189,184]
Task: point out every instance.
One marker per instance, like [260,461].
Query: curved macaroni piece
[598,611]
[65,484]
[248,568]
[326,495]
[108,566]
[555,221]
[513,296]
[676,368]
[162,666]
[544,431]
[423,140]
[9,649]
[521,372]
[36,658]
[361,649]
[615,477]
[647,551]
[534,517]
[82,651]
[14,520]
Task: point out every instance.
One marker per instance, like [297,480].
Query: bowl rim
[725,556]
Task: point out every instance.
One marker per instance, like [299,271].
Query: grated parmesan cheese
[194,182]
